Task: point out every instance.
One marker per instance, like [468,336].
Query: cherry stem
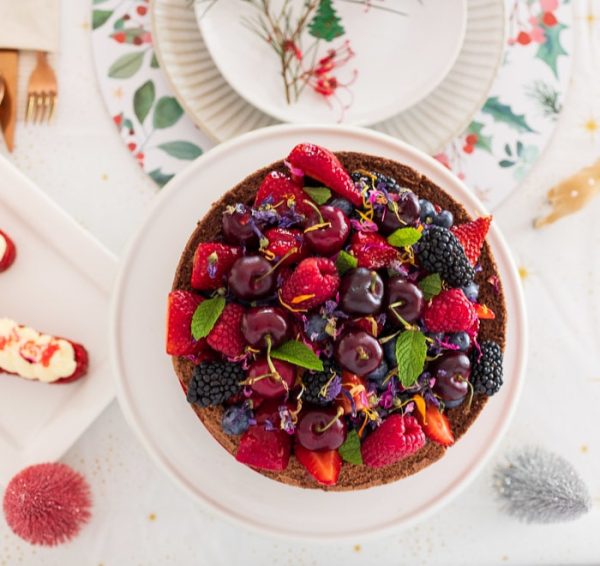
[316,209]
[406,325]
[373,281]
[273,268]
[339,413]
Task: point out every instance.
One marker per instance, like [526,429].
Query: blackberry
[314,381]
[440,252]
[391,185]
[213,383]
[486,372]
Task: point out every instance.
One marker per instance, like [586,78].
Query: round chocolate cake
[337,321]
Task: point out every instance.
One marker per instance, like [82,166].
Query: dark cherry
[330,239]
[399,214]
[451,373]
[238,227]
[251,278]
[404,299]
[260,322]
[314,433]
[358,352]
[361,292]
[269,387]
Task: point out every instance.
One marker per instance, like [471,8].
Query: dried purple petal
[286,421]
[269,425]
[334,388]
[364,225]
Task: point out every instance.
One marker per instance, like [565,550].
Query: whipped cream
[3,246]
[33,355]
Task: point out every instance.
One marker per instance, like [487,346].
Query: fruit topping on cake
[335,319]
[8,252]
[32,355]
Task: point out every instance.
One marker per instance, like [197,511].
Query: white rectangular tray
[59,284]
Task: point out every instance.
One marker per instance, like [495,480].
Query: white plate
[399,59]
[59,284]
[222,114]
[151,396]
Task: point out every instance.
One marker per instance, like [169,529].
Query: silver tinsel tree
[537,486]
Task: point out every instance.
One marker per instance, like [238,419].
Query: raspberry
[486,372]
[471,236]
[314,281]
[226,336]
[212,261]
[213,383]
[441,252]
[397,438]
[450,311]
[372,250]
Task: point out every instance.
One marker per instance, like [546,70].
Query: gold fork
[42,91]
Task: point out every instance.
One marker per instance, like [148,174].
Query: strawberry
[226,336]
[372,250]
[437,426]
[324,466]
[283,242]
[264,449]
[325,167]
[278,190]
[212,261]
[472,235]
[450,311]
[181,308]
[398,437]
[10,252]
[353,387]
[314,281]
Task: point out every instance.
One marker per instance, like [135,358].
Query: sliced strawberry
[10,253]
[353,397]
[265,449]
[472,235]
[180,310]
[323,166]
[212,261]
[278,190]
[372,250]
[323,466]
[437,426]
[226,336]
[284,243]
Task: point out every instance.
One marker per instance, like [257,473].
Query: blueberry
[315,328]
[460,339]
[236,420]
[445,219]
[427,211]
[344,205]
[379,373]
[450,404]
[389,351]
[471,291]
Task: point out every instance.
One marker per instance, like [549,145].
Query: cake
[36,356]
[337,320]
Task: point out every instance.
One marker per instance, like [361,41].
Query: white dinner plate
[399,58]
[429,125]
[152,400]
[60,285]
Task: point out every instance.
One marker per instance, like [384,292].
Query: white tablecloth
[140,518]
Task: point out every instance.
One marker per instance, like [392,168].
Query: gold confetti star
[85,25]
[104,177]
[357,548]
[152,517]
[591,126]
[583,448]
[118,93]
[523,273]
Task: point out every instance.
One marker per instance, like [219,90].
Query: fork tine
[47,97]
[53,98]
[30,114]
[39,107]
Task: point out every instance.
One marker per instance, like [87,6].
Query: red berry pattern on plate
[336,332]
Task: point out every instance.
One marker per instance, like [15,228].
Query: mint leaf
[404,237]
[431,285]
[319,194]
[345,262]
[350,449]
[206,316]
[299,354]
[411,350]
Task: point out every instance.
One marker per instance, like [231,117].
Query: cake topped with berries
[336,320]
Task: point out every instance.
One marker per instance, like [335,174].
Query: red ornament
[47,504]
